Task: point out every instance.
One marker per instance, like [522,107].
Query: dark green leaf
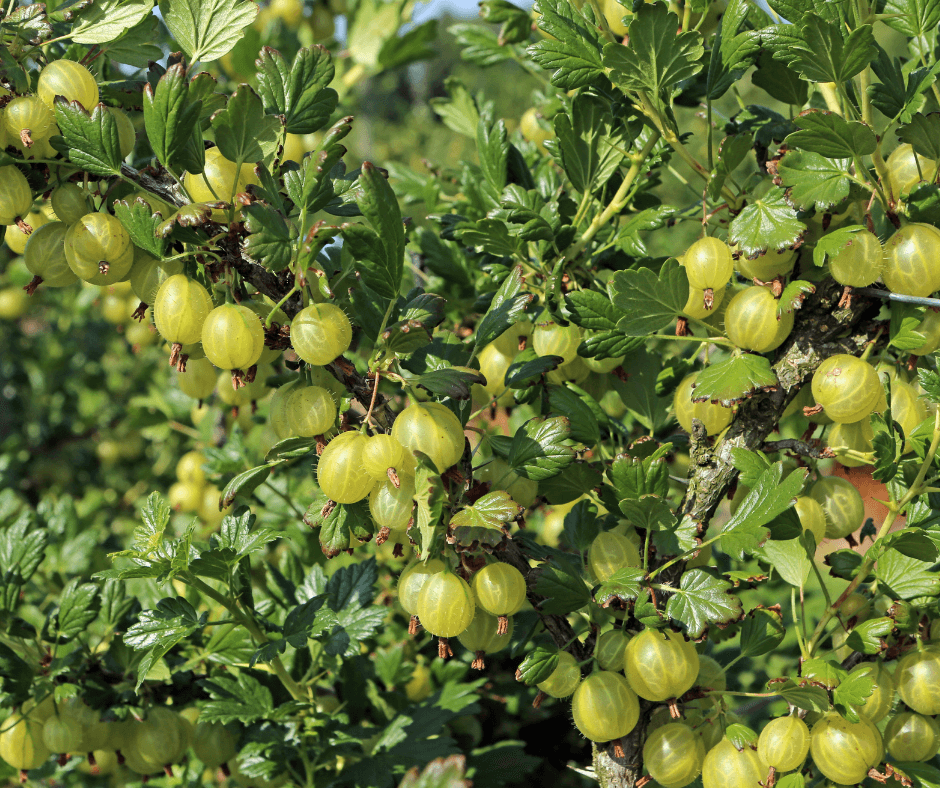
[814,182]
[912,17]
[591,144]
[78,607]
[107,20]
[505,309]
[649,302]
[657,57]
[584,426]
[239,534]
[734,380]
[91,141]
[767,223]
[821,53]
[767,499]
[484,523]
[903,577]
[244,484]
[240,698]
[539,448]
[624,584]
[573,51]
[269,242]
[300,92]
[170,117]
[868,637]
[141,224]
[538,665]
[761,632]
[831,135]
[923,134]
[563,588]
[780,82]
[700,600]
[243,132]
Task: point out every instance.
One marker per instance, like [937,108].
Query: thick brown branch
[820,330]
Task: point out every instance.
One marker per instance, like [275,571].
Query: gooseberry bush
[566,459]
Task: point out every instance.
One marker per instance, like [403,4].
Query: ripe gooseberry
[673,755]
[481,637]
[918,679]
[713,417]
[99,249]
[610,649]
[44,256]
[412,580]
[841,504]
[232,337]
[391,506]
[310,411]
[710,673]
[62,734]
[16,197]
[660,665]
[695,305]
[844,751]
[812,517]
[500,590]
[69,203]
[912,737]
[21,742]
[383,454]
[878,704]
[445,605]
[751,321]
[906,170]
[930,328]
[28,119]
[784,743]
[708,264]
[69,79]
[16,239]
[320,333]
[148,273]
[726,766]
[766,266]
[855,438]
[604,706]
[551,339]
[340,473]
[432,428]
[493,367]
[610,552]
[180,307]
[859,262]
[847,388]
[214,744]
[910,260]
[220,180]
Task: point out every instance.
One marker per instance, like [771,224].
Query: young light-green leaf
[207,29]
[767,223]
[91,140]
[299,91]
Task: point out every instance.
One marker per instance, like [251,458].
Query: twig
[800,447]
